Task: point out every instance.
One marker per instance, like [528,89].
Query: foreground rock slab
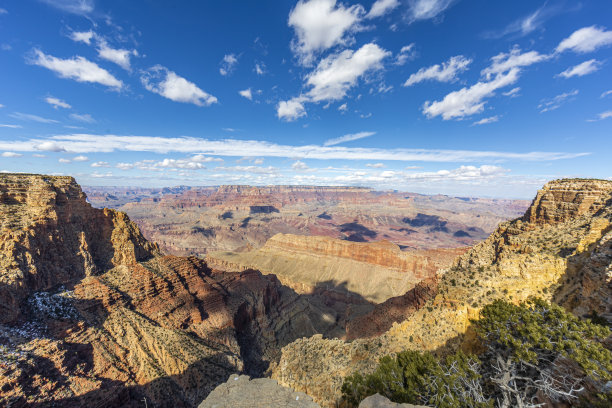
[242,392]
[378,401]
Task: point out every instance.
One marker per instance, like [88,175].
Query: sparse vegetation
[533,351]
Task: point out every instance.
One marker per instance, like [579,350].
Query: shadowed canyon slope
[560,250]
[198,220]
[375,270]
[94,315]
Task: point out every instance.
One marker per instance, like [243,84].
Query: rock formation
[93,315]
[560,251]
[375,271]
[197,220]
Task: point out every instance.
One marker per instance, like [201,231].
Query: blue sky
[436,96]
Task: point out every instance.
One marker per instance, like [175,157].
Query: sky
[458,97]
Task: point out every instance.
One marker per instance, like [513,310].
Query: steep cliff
[560,250]
[50,235]
[93,315]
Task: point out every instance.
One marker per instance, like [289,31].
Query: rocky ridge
[560,251]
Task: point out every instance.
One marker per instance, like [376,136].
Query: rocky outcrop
[378,401]
[560,251]
[50,235]
[242,392]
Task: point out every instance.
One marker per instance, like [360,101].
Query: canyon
[96,314]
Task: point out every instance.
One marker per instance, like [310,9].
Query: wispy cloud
[11,154]
[33,118]
[547,105]
[228,64]
[382,7]
[81,7]
[88,143]
[5,125]
[76,68]
[348,138]
[426,9]
[447,72]
[86,117]
[484,121]
[526,24]
[57,103]
[585,68]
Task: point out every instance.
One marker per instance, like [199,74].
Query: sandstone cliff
[50,235]
[560,250]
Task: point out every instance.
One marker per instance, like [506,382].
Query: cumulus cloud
[406,54]
[57,103]
[162,81]
[348,138]
[77,68]
[469,101]
[547,105]
[118,56]
[503,62]
[586,39]
[11,154]
[322,24]
[343,108]
[300,166]
[64,161]
[462,173]
[291,110]
[382,7]
[426,9]
[375,165]
[333,77]
[247,94]
[87,118]
[585,68]
[82,36]
[484,121]
[80,159]
[89,143]
[228,64]
[447,72]
[100,164]
[33,118]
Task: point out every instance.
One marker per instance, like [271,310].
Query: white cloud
[4,125]
[82,36]
[602,116]
[88,143]
[3,11]
[322,24]
[64,161]
[445,73]
[462,173]
[406,53]
[260,68]
[333,78]
[484,121]
[100,164]
[375,165]
[426,9]
[30,117]
[11,154]
[80,159]
[162,81]
[77,68]
[503,62]
[348,138]
[57,103]
[87,118]
[547,105]
[469,101]
[38,155]
[343,108]
[81,7]
[118,56]
[382,7]
[585,68]
[101,175]
[513,93]
[527,24]
[291,110]
[247,94]
[603,95]
[300,166]
[586,39]
[228,64]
